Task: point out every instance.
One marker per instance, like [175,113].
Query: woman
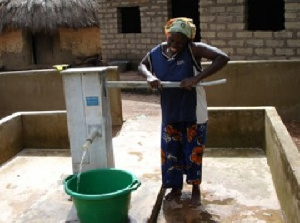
[184,109]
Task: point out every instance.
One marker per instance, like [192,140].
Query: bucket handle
[65,181]
[133,186]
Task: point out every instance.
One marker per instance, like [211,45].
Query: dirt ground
[294,129]
[292,126]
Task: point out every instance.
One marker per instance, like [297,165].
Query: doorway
[190,9]
[42,48]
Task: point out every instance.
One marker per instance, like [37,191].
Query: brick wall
[223,24]
[131,46]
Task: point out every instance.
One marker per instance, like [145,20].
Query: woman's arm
[201,50]
[144,68]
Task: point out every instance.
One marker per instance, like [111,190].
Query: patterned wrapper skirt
[182,147]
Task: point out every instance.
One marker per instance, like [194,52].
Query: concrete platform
[237,183]
[237,187]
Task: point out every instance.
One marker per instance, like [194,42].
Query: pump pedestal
[88,112]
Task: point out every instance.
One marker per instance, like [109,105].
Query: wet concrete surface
[237,184]
[237,187]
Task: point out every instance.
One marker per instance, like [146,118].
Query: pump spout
[93,134]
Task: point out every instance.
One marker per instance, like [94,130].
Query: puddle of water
[237,187]
[138,154]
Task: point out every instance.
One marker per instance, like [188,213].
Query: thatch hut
[40,33]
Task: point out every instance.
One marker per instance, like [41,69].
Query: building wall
[81,42]
[69,46]
[14,49]
[11,42]
[131,46]
[222,24]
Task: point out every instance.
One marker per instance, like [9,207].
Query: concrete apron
[235,188]
[237,184]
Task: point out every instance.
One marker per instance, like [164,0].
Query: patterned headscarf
[183,25]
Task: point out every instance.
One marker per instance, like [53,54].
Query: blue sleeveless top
[177,104]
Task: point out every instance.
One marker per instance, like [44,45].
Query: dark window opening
[42,48]
[265,15]
[190,9]
[130,19]
[34,50]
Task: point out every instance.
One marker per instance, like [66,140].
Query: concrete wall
[249,83]
[45,130]
[284,161]
[32,130]
[259,83]
[235,127]
[11,137]
[227,127]
[43,91]
[31,91]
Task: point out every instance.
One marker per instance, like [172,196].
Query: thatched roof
[48,15]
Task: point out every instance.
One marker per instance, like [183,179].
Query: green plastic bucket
[103,194]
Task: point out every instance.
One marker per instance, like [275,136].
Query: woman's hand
[188,83]
[154,82]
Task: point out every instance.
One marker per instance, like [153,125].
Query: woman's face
[176,42]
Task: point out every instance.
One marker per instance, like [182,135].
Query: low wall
[42,90]
[249,83]
[32,130]
[11,137]
[259,83]
[45,130]
[227,127]
[31,91]
[235,127]
[284,161]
